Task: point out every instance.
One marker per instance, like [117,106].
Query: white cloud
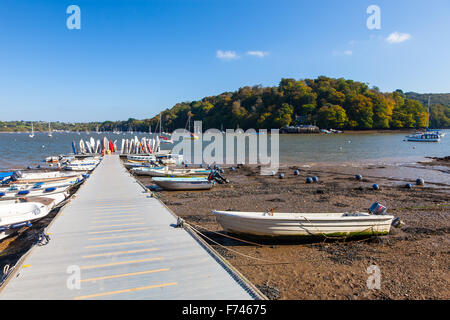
[341,53]
[226,55]
[260,54]
[397,37]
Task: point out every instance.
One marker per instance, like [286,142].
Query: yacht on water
[430,135]
[32,131]
[424,137]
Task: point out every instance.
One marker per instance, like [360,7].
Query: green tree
[332,116]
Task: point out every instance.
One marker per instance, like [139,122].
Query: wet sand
[414,260]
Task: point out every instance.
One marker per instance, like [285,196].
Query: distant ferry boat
[424,137]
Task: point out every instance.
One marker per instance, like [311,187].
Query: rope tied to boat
[225,235]
[234,251]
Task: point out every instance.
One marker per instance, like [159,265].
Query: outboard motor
[219,178]
[377,209]
[16,175]
[211,175]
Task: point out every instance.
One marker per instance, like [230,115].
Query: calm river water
[18,150]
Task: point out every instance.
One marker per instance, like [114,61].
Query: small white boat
[52,159]
[184,183]
[424,137]
[33,177]
[17,215]
[92,142]
[170,159]
[165,172]
[79,167]
[12,193]
[51,200]
[268,224]
[82,165]
[42,185]
[12,185]
[141,158]
[130,165]
[82,147]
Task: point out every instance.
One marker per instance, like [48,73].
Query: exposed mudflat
[413,260]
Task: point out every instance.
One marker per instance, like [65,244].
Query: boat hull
[184,185]
[304,226]
[15,216]
[170,173]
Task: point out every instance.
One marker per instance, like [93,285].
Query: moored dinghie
[98,148]
[17,215]
[82,147]
[183,183]
[192,183]
[271,224]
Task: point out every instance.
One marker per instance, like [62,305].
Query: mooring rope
[228,236]
[237,252]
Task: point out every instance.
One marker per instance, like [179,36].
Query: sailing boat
[191,136]
[163,139]
[428,135]
[435,131]
[49,130]
[32,131]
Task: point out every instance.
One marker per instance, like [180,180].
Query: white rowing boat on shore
[277,224]
[165,171]
[52,176]
[51,200]
[183,183]
[143,158]
[17,215]
[43,184]
[13,194]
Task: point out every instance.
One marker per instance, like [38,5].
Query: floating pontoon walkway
[114,241]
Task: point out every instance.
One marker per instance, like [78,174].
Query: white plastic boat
[183,183]
[86,164]
[43,183]
[141,158]
[30,192]
[165,171]
[33,177]
[170,159]
[276,224]
[50,200]
[17,215]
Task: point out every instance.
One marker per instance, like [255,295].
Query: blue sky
[133,58]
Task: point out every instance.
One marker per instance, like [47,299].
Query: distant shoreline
[406,130]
